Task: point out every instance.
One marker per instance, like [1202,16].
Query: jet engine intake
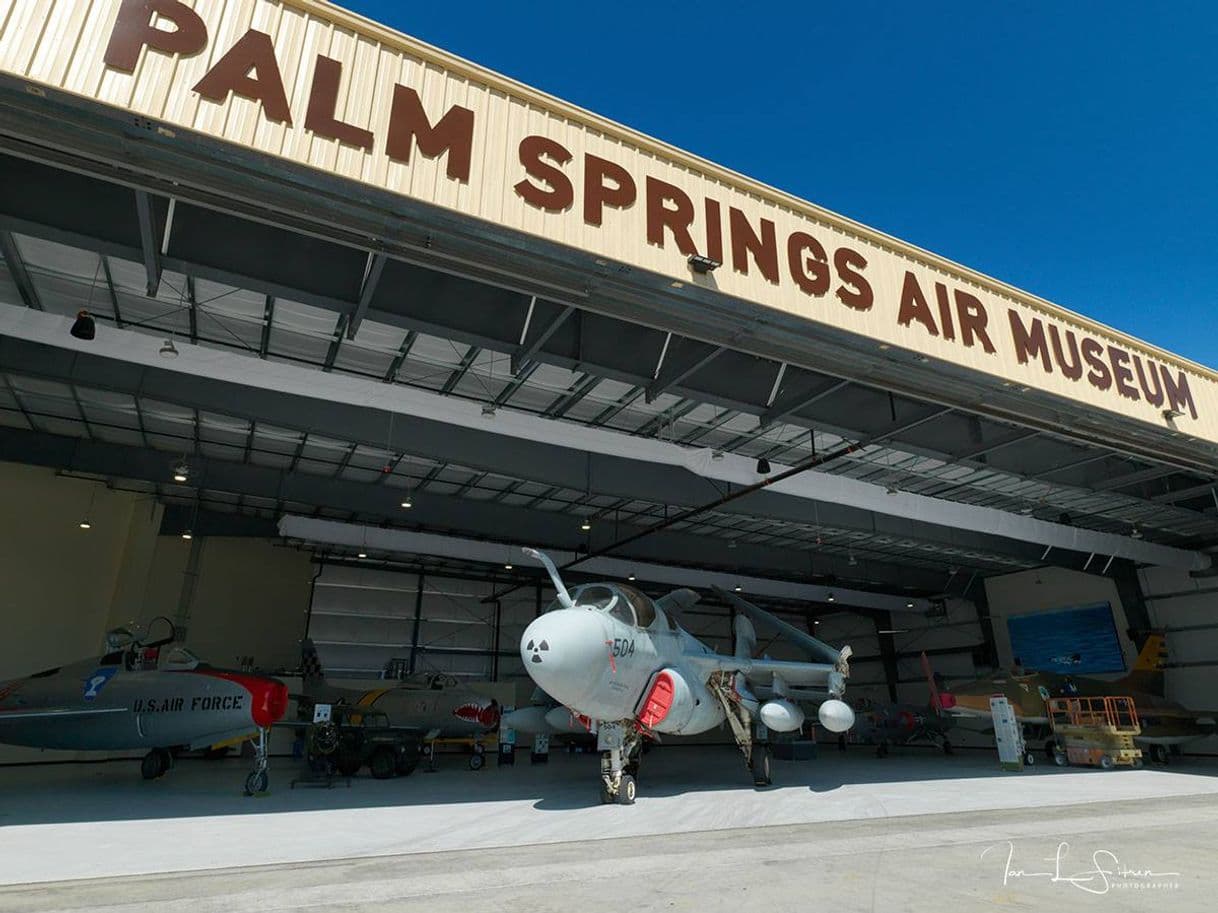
[671,704]
[781,715]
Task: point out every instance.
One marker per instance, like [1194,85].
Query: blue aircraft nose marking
[95,682]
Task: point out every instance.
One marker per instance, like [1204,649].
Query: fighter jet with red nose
[623,662]
[143,694]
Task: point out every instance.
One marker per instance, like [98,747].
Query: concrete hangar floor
[849,832]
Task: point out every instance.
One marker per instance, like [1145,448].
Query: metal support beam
[16,269]
[984,449]
[376,266]
[536,337]
[268,316]
[462,369]
[391,375]
[149,242]
[674,372]
[797,400]
[335,343]
[567,401]
[118,314]
[194,309]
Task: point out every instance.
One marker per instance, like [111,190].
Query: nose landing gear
[259,779]
[620,746]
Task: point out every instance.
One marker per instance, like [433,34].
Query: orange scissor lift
[1095,731]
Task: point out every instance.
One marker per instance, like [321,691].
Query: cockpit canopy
[624,603]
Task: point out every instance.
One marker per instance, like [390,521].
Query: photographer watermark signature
[1106,871]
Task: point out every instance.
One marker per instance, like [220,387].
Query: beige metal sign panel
[325,88]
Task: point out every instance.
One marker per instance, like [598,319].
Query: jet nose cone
[563,651]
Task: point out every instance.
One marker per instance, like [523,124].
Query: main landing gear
[620,746]
[260,778]
[759,763]
[156,764]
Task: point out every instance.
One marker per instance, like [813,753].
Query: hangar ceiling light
[168,349]
[83,327]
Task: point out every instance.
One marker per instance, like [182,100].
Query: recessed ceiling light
[85,524]
[585,526]
[507,567]
[816,621]
[407,504]
[909,605]
[362,555]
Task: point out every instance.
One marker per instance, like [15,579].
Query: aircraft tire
[626,790]
[1029,759]
[477,761]
[1107,763]
[257,782]
[761,766]
[948,748]
[166,760]
[1158,754]
[607,796]
[152,766]
[1060,758]
[382,763]
[349,764]
[1137,764]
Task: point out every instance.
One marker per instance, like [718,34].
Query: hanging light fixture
[407,502]
[181,471]
[187,535]
[586,525]
[763,466]
[168,349]
[83,327]
[86,522]
[830,597]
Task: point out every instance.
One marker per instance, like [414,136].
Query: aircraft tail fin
[935,703]
[311,671]
[1147,672]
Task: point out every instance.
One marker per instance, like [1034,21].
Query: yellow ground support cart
[1094,731]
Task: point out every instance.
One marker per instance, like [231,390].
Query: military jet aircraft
[433,704]
[142,695]
[1165,724]
[622,661]
[904,724]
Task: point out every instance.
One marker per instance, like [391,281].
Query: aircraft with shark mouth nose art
[432,704]
[143,694]
[621,661]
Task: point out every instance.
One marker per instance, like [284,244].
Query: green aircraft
[1166,725]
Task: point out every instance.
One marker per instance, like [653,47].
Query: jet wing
[764,671]
[53,713]
[816,647]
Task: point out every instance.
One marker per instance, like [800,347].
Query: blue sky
[1070,149]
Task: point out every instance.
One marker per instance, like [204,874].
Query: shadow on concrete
[113,791]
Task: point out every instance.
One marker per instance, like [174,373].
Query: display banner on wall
[325,88]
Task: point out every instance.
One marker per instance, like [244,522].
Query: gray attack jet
[143,694]
[621,660]
[433,704]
